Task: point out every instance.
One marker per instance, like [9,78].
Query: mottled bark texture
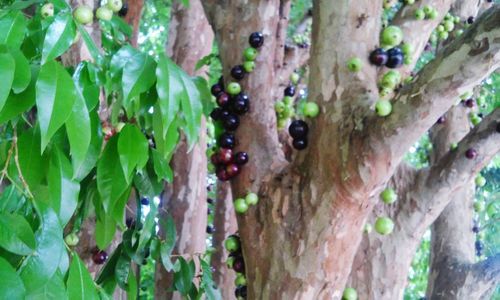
[225,225]
[300,241]
[133,18]
[190,39]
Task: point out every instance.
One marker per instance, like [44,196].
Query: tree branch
[459,67]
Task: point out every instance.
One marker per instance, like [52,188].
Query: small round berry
[355,64]
[210,229]
[238,72]
[241,292]
[300,143]
[290,91]
[210,201]
[232,170]
[310,109]
[83,14]
[216,113]
[470,20]
[99,257]
[241,158]
[224,156]
[104,13]
[471,153]
[47,10]
[379,57]
[240,206]
[223,99]
[298,129]
[469,103]
[250,54]
[233,88]
[217,89]
[396,58]
[123,12]
[231,122]
[239,263]
[227,140]
[441,120]
[240,104]
[145,201]
[256,40]
[249,66]
[475,229]
[222,175]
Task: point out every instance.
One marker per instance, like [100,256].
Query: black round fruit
[475,229]
[231,122]
[239,265]
[210,229]
[217,89]
[223,99]
[395,58]
[241,158]
[256,40]
[469,103]
[124,10]
[241,292]
[300,143]
[216,113]
[470,20]
[498,127]
[227,140]
[298,129]
[379,57]
[99,257]
[238,72]
[240,104]
[290,91]
[144,201]
[210,201]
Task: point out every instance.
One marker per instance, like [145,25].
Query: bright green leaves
[80,283]
[30,159]
[55,96]
[11,285]
[16,235]
[53,289]
[207,283]
[63,190]
[183,279]
[191,109]
[38,269]
[133,149]
[167,225]
[7,69]
[22,73]
[138,76]
[60,35]
[12,28]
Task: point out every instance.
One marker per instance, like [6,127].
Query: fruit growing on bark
[210,229]
[256,40]
[227,140]
[383,108]
[379,57]
[217,89]
[289,91]
[144,201]
[391,79]
[471,153]
[298,129]
[225,156]
[396,58]
[71,239]
[479,206]
[392,36]
[232,170]
[480,181]
[240,280]
[300,143]
[115,5]
[384,225]
[232,243]
[310,109]
[240,104]
[241,158]
[241,206]
[231,122]
[123,12]
[238,72]
[233,88]
[355,64]
[294,78]
[419,14]
[99,257]
[367,228]
[83,14]
[250,54]
[251,199]
[47,10]
[104,13]
[388,196]
[241,292]
[349,294]
[249,66]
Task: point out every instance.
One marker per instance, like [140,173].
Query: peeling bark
[225,225]
[190,39]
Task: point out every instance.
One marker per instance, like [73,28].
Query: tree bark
[190,39]
[225,225]
[133,18]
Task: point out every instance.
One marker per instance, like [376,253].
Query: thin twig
[16,160]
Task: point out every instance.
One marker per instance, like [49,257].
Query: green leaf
[86,85]
[7,67]
[18,103]
[205,61]
[111,182]
[22,74]
[78,128]
[80,283]
[105,228]
[161,166]
[16,235]
[38,269]
[165,142]
[59,37]
[53,289]
[132,285]
[122,271]
[120,59]
[191,109]
[108,271]
[167,225]
[63,190]
[133,149]
[147,183]
[169,90]
[11,285]
[205,95]
[211,291]
[55,96]
[30,159]
[18,5]
[12,28]
[11,199]
[138,76]
[93,151]
[184,278]
[89,42]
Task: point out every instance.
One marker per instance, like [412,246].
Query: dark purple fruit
[470,20]
[441,120]
[300,143]
[396,58]
[231,122]
[239,265]
[298,129]
[475,229]
[469,103]
[99,257]
[379,57]
[129,222]
[210,201]
[209,211]
[256,40]
[124,10]
[240,104]
[238,72]
[290,91]
[216,113]
[241,292]
[479,248]
[210,229]
[217,89]
[144,201]
[222,174]
[471,153]
[223,99]
[224,156]
[232,170]
[241,158]
[227,140]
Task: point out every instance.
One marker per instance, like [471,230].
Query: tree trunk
[225,225]
[190,39]
[133,18]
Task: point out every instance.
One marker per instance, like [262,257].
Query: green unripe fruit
[288,112]
[114,5]
[384,91]
[350,294]
[384,225]
[294,78]
[456,19]
[479,206]
[368,228]
[232,244]
[407,60]
[83,14]
[355,64]
[250,54]
[392,36]
[434,38]
[480,101]
[47,10]
[249,66]
[240,280]
[383,108]
[233,88]
[230,262]
[493,209]
[453,146]
[211,168]
[282,123]
[310,110]
[475,119]
[443,35]
[71,239]
[428,9]
[210,130]
[433,14]
[391,79]
[409,2]
[407,49]
[449,26]
[388,196]
[252,199]
[240,205]
[288,100]
[448,16]
[440,28]
[419,14]
[480,181]
[104,13]
[279,106]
